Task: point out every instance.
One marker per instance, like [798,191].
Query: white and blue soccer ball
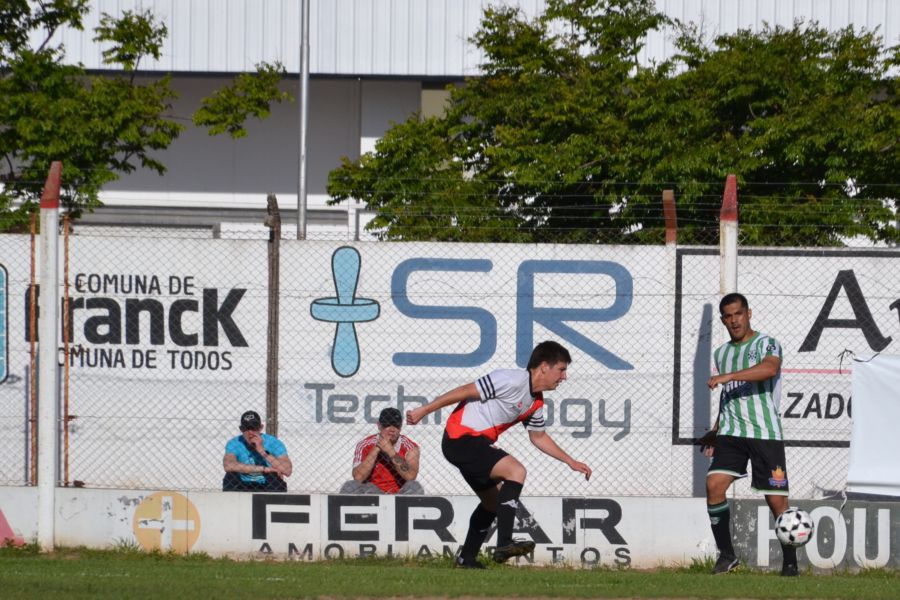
[794,527]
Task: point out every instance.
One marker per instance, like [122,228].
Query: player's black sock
[789,553]
[720,521]
[479,525]
[507,505]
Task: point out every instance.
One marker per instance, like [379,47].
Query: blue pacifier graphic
[345,310]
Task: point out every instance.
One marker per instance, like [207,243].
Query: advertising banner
[849,535]
[576,531]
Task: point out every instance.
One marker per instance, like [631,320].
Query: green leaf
[250,95]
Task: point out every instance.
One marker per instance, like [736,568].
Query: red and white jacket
[505,399]
[384,475]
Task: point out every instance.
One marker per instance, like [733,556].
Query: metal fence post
[48,374]
[273,222]
[668,198]
[728,238]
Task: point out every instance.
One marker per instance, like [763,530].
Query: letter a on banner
[862,320]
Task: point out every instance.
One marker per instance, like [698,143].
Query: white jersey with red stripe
[505,399]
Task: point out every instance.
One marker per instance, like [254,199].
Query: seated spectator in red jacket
[385,462]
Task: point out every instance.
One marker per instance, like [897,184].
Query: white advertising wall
[169,337]
[568,530]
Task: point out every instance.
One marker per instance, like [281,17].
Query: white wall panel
[415,38]
[199,41]
[410,37]
[232,49]
[365,38]
[323,17]
[399,41]
[384,23]
[255,30]
[344,32]
[181,32]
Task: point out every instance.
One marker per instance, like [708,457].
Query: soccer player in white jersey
[485,409]
[748,427]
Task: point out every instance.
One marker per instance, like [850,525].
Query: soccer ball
[794,527]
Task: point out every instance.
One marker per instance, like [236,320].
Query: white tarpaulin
[874,443]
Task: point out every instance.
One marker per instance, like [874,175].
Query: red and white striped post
[728,238]
[48,375]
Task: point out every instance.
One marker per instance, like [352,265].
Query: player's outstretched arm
[454,396]
[765,369]
[545,443]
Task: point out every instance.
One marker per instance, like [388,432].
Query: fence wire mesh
[169,335]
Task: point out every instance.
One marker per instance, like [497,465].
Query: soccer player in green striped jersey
[748,428]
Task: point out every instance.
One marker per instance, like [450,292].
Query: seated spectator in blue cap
[255,461]
[385,462]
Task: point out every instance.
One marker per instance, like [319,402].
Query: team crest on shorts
[778,478]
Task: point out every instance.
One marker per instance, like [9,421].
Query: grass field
[129,573]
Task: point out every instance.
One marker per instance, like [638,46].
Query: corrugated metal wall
[415,38]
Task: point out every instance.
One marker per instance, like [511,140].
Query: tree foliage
[228,109]
[98,126]
[566,137]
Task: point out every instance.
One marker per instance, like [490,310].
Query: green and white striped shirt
[749,409]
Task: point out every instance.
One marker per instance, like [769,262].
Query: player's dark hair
[550,352]
[731,299]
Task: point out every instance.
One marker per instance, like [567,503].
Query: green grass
[127,572]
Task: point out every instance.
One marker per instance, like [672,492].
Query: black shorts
[474,456]
[766,459]
[232,482]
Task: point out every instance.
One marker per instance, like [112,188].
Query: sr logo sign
[347,309]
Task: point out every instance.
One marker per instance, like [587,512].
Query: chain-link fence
[168,339]
[825,307]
